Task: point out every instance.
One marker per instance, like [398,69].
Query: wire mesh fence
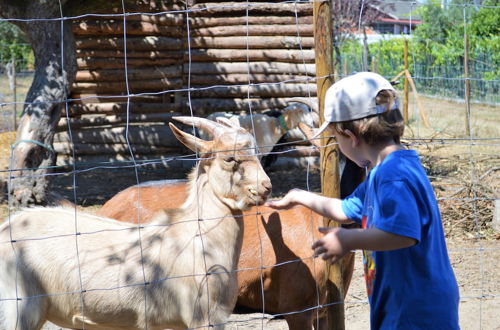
[463,167]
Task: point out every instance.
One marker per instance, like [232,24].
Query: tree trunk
[55,69]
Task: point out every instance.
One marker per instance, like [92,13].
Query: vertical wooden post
[329,155]
[374,64]
[346,67]
[467,84]
[11,72]
[406,90]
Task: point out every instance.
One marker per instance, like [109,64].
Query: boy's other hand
[332,246]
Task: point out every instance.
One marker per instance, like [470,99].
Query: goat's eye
[229,160]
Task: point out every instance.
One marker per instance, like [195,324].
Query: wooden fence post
[329,155]
[467,84]
[405,87]
[11,72]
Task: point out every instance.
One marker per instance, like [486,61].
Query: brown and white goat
[275,257]
[82,271]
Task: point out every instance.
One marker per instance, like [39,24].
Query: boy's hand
[287,202]
[332,246]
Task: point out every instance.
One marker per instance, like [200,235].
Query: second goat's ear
[309,134]
[192,142]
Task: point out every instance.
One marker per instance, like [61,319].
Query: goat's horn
[212,127]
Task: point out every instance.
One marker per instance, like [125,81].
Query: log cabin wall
[206,57]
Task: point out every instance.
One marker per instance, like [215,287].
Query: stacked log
[172,58]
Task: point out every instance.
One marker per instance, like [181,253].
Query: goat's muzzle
[260,193]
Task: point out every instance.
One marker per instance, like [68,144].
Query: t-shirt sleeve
[396,210]
[352,205]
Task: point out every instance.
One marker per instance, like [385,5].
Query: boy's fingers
[325,230]
[317,244]
[271,204]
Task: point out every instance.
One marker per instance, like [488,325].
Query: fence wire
[463,170]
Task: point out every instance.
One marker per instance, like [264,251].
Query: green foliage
[14,46]
[436,50]
[436,24]
[486,22]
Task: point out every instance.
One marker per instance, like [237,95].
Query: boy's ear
[352,136]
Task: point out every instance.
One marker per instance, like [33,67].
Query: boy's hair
[377,128]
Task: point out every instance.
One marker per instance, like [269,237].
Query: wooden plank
[241,78]
[253,67]
[117,62]
[158,135]
[115,28]
[95,98]
[252,55]
[133,43]
[253,42]
[170,160]
[99,149]
[113,119]
[134,86]
[101,75]
[201,22]
[150,54]
[121,107]
[330,176]
[274,90]
[255,8]
[254,30]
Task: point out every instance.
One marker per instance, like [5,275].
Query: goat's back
[278,241]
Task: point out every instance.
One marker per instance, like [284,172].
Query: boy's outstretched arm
[327,207]
[337,242]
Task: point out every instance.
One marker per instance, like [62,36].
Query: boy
[410,281]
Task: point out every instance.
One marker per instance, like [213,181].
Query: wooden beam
[252,55]
[254,67]
[101,75]
[260,42]
[114,119]
[134,86]
[254,30]
[274,90]
[241,78]
[157,134]
[133,43]
[421,110]
[79,109]
[200,22]
[118,63]
[134,28]
[330,178]
[254,9]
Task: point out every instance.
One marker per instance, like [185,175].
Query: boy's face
[348,145]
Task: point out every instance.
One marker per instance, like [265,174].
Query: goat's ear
[192,142]
[309,133]
[233,122]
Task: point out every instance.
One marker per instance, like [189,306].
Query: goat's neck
[204,204]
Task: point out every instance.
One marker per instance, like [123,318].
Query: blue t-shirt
[414,287]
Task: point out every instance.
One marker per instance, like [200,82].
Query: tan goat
[83,271]
[280,242]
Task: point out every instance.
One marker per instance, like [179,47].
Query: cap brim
[320,130]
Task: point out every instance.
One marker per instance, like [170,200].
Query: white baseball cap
[353,97]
